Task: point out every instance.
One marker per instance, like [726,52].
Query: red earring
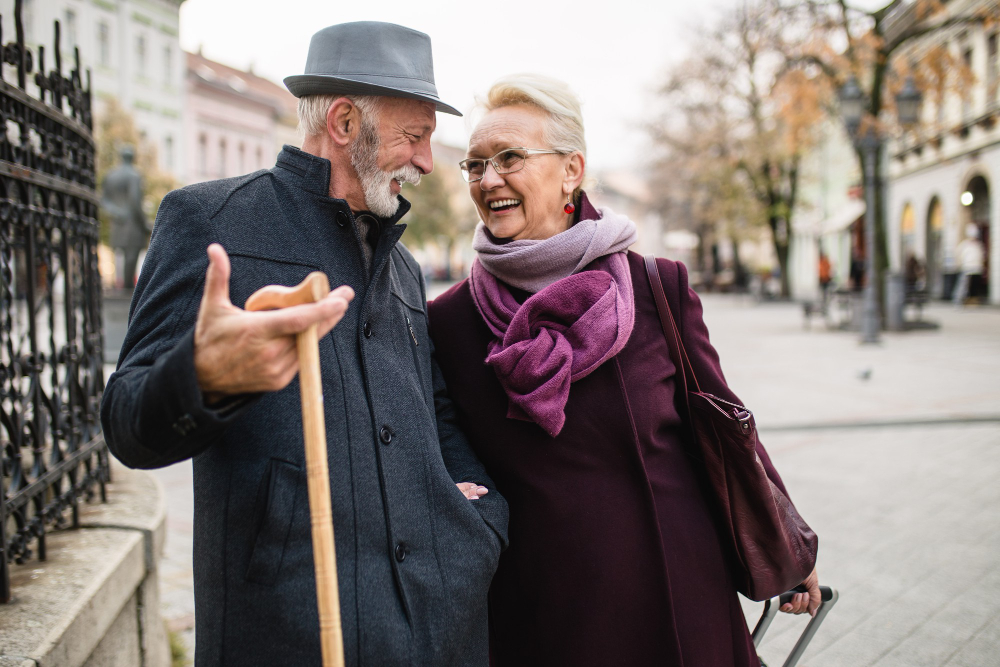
[569,207]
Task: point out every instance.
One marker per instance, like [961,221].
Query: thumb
[217,277]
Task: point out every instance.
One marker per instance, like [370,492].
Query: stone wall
[94,602]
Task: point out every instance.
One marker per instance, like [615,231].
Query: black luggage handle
[829,597]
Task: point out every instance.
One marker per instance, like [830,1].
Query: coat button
[341,219]
[401,552]
[385,435]
[368,329]
[184,425]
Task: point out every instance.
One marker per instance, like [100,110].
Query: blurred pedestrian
[200,377]
[971,259]
[825,275]
[913,273]
[614,556]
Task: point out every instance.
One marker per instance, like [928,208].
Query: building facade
[829,214]
[943,178]
[236,121]
[132,50]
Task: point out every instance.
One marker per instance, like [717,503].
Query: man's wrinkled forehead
[416,114]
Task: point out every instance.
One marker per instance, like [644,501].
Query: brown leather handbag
[772,548]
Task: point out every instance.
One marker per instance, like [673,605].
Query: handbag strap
[677,352]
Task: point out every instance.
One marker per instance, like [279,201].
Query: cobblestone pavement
[891,452]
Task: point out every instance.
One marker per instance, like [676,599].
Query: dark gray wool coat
[414,556]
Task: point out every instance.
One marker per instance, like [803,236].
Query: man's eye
[475,166]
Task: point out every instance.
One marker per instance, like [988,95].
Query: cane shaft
[312,289]
[320,512]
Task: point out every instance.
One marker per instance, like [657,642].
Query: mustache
[407,174]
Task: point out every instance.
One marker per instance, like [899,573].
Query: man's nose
[423,158]
[491,178]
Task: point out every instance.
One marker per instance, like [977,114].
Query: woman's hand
[802,602]
[473,491]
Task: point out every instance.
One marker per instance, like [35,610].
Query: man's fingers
[296,319]
[217,277]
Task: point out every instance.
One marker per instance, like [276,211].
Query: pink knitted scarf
[575,320]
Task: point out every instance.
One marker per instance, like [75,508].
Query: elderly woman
[556,360]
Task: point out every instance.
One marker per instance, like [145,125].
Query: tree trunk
[449,245]
[780,236]
[739,271]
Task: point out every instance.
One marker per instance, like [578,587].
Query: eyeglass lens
[504,162]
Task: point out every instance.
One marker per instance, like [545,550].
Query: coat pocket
[277,495]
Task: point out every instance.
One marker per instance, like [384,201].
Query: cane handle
[312,289]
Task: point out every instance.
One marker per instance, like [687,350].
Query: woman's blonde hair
[564,131]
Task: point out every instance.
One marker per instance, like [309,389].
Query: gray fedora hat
[369,58]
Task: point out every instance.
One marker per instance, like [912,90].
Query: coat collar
[312,174]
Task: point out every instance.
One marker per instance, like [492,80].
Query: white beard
[375,183]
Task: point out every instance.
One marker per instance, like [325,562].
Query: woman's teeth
[504,203]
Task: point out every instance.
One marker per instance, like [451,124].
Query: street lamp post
[870,145]
[869,142]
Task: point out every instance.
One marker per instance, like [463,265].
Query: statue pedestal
[115,312]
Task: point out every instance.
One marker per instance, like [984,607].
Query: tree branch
[920,31]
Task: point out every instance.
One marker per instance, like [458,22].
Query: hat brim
[322,84]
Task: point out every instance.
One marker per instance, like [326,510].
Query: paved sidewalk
[892,453]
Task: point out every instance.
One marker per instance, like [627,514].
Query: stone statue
[121,197]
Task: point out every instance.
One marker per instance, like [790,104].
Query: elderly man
[200,377]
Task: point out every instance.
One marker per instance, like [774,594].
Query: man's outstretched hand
[239,352]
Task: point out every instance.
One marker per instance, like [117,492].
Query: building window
[222,158]
[168,153]
[991,68]
[104,44]
[203,155]
[967,93]
[140,55]
[168,65]
[242,154]
[260,158]
[70,27]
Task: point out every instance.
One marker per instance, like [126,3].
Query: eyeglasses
[506,161]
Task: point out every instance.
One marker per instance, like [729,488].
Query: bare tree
[738,119]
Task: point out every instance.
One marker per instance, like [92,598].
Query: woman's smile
[503,206]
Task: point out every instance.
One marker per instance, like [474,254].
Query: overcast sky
[611,52]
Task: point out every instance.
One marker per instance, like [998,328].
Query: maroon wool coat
[614,557]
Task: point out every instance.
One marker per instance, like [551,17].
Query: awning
[844,217]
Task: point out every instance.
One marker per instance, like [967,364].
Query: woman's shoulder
[454,323]
[452,309]
[673,274]
[458,295]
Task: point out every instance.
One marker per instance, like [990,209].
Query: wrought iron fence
[51,374]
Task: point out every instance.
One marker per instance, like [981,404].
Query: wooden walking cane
[312,289]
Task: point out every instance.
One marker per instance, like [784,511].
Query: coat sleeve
[689,314]
[462,463]
[152,410]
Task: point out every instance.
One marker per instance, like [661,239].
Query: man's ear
[343,121]
[574,172]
